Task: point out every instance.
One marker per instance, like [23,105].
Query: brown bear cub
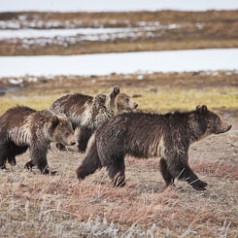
[22,128]
[86,113]
[145,135]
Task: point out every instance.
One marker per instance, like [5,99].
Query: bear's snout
[229,127]
[136,105]
[72,142]
[224,128]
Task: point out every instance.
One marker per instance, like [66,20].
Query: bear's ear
[55,121]
[202,109]
[100,98]
[115,92]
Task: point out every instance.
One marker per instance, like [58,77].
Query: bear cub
[22,127]
[86,113]
[144,135]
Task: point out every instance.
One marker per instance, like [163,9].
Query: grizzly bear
[145,135]
[86,113]
[22,127]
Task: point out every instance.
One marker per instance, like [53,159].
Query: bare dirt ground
[35,205]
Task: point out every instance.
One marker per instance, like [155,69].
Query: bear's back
[15,116]
[67,103]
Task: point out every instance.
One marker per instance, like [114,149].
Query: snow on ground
[103,64]
[109,5]
[31,33]
[50,33]
[71,40]
[65,37]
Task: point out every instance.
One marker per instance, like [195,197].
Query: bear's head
[213,123]
[119,102]
[61,130]
[124,102]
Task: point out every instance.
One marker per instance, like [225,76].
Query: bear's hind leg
[116,171]
[13,151]
[90,163]
[169,180]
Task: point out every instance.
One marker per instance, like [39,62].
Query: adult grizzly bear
[23,127]
[147,135]
[86,113]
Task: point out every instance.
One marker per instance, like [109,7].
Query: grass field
[218,91]
[35,205]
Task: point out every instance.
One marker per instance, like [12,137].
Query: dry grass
[35,205]
[186,90]
[123,19]
[9,49]
[218,31]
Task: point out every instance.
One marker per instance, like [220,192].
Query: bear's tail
[91,161]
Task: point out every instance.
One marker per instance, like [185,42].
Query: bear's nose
[72,143]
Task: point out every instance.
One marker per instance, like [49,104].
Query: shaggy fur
[22,128]
[150,135]
[86,113]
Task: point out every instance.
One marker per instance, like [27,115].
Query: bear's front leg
[168,178]
[12,160]
[29,165]
[3,166]
[188,175]
[199,185]
[178,168]
[38,158]
[83,135]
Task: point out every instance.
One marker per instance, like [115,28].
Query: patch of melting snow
[66,41]
[124,63]
[51,33]
[66,37]
[16,81]
[35,23]
[32,33]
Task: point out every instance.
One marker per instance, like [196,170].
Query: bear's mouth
[224,130]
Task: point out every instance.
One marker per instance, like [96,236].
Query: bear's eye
[67,134]
[127,99]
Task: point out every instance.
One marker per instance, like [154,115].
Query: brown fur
[86,113]
[150,135]
[22,128]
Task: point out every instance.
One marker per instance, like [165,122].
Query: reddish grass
[34,205]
